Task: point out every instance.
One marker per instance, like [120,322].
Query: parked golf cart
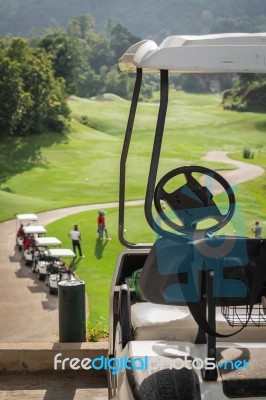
[186,315]
[58,270]
[21,220]
[31,233]
[41,255]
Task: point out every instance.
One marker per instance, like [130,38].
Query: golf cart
[21,220]
[193,324]
[31,232]
[41,256]
[57,269]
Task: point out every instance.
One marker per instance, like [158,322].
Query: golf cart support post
[221,53]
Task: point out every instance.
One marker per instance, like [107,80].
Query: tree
[68,54]
[12,101]
[120,39]
[247,94]
[31,97]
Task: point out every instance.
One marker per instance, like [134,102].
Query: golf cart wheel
[52,290]
[41,276]
[182,384]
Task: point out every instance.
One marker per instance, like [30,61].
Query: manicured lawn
[53,171]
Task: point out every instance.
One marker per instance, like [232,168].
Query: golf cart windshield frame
[223,53]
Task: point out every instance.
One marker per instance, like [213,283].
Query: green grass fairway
[53,171]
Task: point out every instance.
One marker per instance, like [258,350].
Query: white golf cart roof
[227,52]
[34,229]
[27,217]
[61,253]
[47,241]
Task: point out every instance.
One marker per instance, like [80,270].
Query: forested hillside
[68,55]
[149,18]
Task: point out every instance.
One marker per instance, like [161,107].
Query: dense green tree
[13,102]
[31,97]
[68,54]
[120,39]
[86,59]
[247,94]
[100,52]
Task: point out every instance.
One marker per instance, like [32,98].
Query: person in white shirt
[257,230]
[75,236]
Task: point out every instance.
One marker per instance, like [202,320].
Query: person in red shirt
[101,226]
[20,232]
[27,242]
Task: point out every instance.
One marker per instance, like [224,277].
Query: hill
[50,171]
[149,18]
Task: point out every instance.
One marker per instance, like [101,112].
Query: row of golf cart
[43,253]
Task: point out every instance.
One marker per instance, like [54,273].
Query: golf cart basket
[181,242]
[239,315]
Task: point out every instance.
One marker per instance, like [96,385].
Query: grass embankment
[52,171]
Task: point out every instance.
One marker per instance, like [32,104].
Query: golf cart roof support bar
[123,160]
[157,144]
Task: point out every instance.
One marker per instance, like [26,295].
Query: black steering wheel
[192,202]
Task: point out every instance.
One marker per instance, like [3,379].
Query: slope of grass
[53,171]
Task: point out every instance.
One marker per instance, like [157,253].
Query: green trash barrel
[72,311]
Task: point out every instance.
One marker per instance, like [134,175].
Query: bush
[97,331]
[84,119]
[59,124]
[247,153]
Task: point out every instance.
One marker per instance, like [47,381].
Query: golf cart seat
[153,327]
[162,322]
[160,317]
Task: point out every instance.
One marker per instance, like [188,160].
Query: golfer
[101,226]
[257,230]
[76,239]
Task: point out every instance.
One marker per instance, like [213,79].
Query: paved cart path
[27,312]
[243,173]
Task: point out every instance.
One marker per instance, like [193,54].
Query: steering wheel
[192,202]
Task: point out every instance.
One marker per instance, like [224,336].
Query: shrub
[247,153]
[85,120]
[97,331]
